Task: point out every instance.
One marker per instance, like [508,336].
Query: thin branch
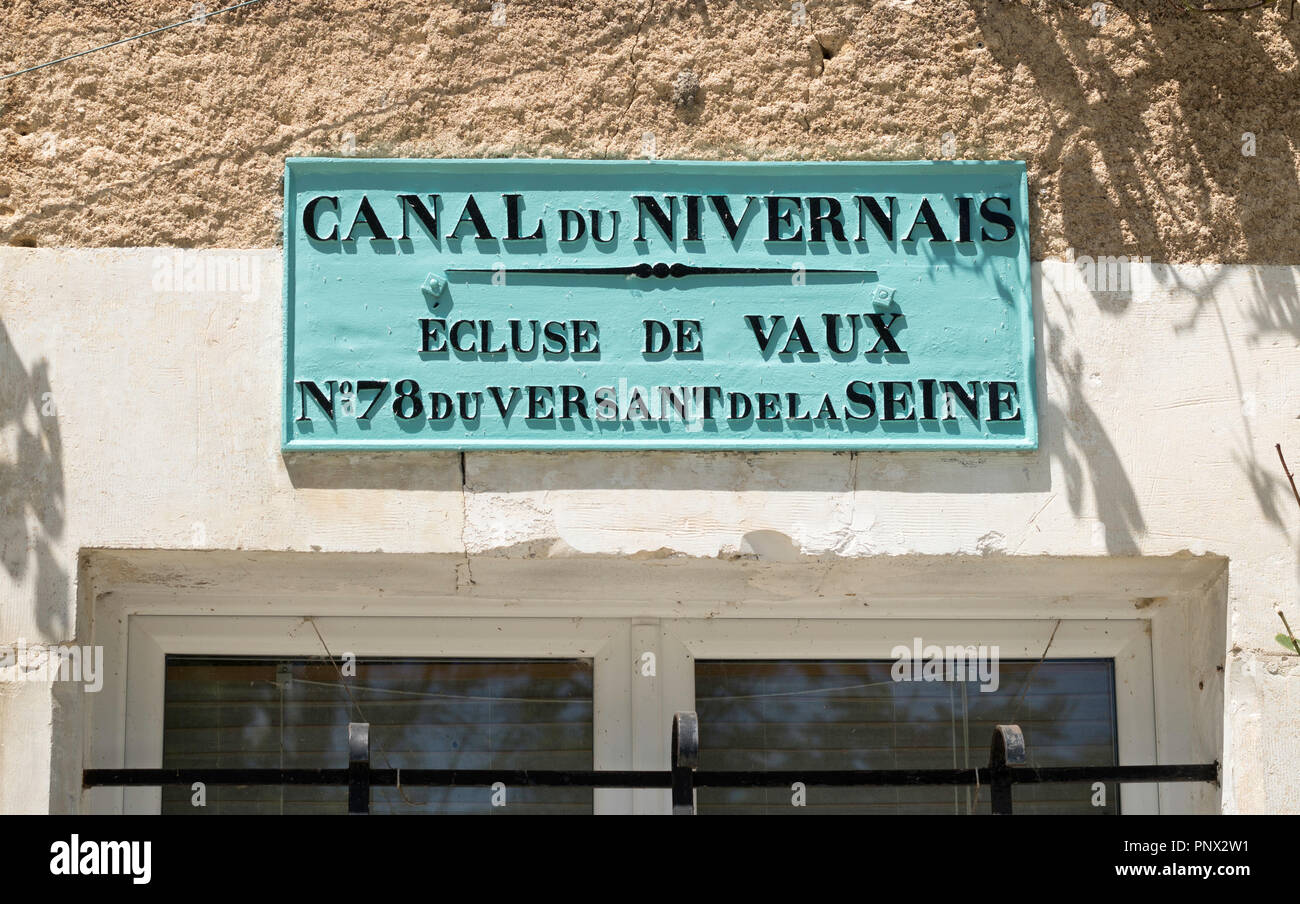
[1287,472]
[1294,646]
[1228,9]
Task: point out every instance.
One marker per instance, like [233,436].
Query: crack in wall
[464,527]
[636,42]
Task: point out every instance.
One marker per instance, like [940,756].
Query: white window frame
[1127,642]
[151,638]
[632,710]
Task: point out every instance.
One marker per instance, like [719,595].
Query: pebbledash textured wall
[139,415]
[1130,116]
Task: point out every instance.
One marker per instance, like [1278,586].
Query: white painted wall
[135,418]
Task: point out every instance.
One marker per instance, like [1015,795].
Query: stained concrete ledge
[540,573]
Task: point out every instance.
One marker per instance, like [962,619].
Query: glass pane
[778,715]
[424,714]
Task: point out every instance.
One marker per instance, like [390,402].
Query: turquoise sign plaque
[565,304]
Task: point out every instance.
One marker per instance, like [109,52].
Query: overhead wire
[144,34]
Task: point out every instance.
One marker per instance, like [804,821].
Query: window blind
[778,715]
[234,712]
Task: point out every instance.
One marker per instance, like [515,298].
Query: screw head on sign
[433,285]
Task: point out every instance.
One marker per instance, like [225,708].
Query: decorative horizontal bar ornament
[662,271]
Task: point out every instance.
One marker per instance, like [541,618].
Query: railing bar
[1199,772]
[358,768]
[1028,775]
[144,777]
[1191,772]
[384,777]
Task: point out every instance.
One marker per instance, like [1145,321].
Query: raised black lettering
[473,216]
[667,222]
[1003,394]
[860,396]
[869,205]
[800,335]
[572,218]
[776,218]
[367,213]
[513,210]
[536,396]
[896,393]
[833,215]
[968,400]
[573,397]
[433,330]
[833,333]
[926,213]
[729,223]
[884,333]
[658,337]
[309,387]
[309,219]
[999,218]
[412,203]
[755,322]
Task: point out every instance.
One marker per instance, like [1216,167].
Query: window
[822,714]
[1089,702]
[599,693]
[233,712]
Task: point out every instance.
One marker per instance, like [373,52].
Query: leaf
[1286,642]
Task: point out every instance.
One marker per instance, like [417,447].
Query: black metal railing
[1006,768]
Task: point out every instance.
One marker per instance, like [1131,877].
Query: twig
[1294,646]
[1228,9]
[1287,472]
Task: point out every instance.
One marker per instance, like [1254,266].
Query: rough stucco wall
[1132,128]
